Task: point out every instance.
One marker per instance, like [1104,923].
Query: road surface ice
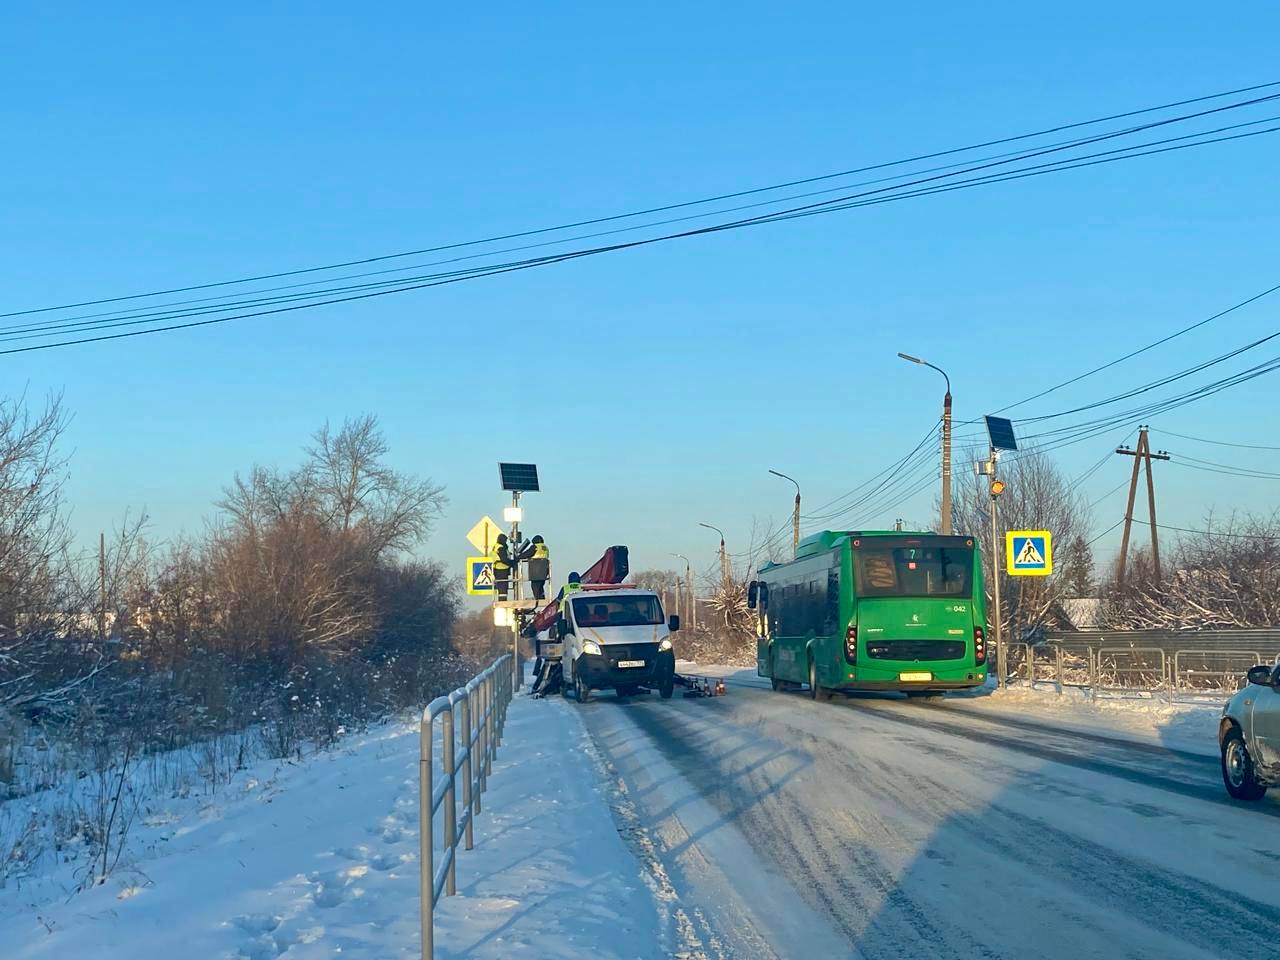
[931,829]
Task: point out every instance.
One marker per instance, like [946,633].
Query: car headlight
[665,645]
[591,648]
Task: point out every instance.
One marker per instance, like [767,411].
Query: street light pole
[691,613]
[724,558]
[795,519]
[946,443]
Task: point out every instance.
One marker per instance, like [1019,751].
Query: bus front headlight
[665,645]
[591,648]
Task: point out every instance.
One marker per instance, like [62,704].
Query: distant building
[1081,613]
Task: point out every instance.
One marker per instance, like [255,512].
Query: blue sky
[151,146]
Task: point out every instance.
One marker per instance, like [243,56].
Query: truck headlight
[591,648]
[665,645]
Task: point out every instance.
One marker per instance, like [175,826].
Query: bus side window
[831,618]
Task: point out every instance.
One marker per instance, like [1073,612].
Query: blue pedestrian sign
[479,576]
[1029,553]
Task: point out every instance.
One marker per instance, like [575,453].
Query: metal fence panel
[1211,673]
[1129,670]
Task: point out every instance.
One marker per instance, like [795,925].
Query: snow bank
[319,859]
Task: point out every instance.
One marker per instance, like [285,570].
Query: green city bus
[873,610]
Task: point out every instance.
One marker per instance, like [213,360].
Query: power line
[807,210]
[1094,540]
[867,198]
[1111,493]
[1212,533]
[1144,349]
[651,210]
[1219,443]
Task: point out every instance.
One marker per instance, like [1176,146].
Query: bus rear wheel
[816,690]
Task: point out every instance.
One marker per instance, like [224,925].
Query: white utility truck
[615,637]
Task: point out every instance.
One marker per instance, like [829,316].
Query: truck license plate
[630,663]
[915,677]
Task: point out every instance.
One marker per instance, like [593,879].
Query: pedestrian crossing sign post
[1029,553]
[480,576]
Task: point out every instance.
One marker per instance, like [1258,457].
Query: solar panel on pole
[1000,431]
[519,477]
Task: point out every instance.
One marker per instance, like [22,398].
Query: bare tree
[1226,576]
[1037,497]
[356,490]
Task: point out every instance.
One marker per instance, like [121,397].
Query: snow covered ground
[319,859]
[756,825]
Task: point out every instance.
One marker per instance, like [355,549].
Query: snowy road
[884,828]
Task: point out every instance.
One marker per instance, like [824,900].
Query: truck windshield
[616,611]
[914,571]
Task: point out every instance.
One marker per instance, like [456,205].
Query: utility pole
[1142,456]
[724,558]
[795,517]
[691,610]
[997,488]
[946,443]
[987,468]
[102,587]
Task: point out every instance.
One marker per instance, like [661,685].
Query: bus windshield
[914,570]
[616,611]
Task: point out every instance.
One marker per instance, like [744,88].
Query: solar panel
[521,477]
[1000,431]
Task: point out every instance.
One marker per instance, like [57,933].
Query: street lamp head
[907,356]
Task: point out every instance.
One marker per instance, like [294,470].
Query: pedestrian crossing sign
[1029,553]
[480,576]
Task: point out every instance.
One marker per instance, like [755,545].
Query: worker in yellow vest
[539,558]
[502,563]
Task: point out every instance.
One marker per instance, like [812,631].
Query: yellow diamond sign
[484,535]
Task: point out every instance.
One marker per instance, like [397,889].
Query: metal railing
[1212,671]
[468,747]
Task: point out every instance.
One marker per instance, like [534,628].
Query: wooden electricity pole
[102,587]
[1142,455]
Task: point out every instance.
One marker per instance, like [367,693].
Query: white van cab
[615,637]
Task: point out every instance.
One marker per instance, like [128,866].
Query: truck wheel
[815,689]
[1238,774]
[773,675]
[581,691]
[667,686]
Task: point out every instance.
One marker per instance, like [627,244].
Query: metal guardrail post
[1057,667]
[1093,654]
[489,701]
[450,828]
[468,732]
[426,855]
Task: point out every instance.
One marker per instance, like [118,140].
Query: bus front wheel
[815,688]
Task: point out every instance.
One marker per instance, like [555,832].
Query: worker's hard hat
[538,538]
[575,577]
